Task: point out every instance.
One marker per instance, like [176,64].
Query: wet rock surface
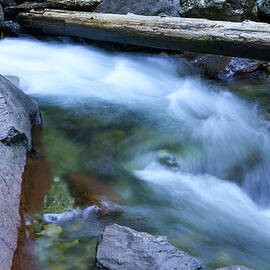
[239,66]
[223,67]
[121,248]
[18,113]
[11,28]
[227,10]
[211,65]
[151,7]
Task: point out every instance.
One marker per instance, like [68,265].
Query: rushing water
[185,157]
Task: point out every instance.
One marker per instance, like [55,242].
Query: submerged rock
[58,206]
[227,10]
[77,195]
[167,159]
[52,230]
[121,248]
[60,147]
[140,7]
[235,268]
[18,113]
[88,191]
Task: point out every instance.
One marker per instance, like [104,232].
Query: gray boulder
[121,248]
[140,7]
[264,10]
[18,113]
[235,268]
[225,10]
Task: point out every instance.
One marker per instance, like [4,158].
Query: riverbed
[171,152]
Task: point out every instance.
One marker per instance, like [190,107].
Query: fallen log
[247,39]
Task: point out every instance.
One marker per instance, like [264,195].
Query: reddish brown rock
[32,202]
[211,65]
[218,66]
[88,191]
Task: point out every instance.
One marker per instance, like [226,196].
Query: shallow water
[185,157]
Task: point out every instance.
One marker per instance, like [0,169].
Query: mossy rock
[57,200]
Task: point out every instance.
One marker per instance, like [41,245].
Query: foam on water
[226,133]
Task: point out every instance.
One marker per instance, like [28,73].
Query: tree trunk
[247,39]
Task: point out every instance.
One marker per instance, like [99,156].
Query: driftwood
[247,39]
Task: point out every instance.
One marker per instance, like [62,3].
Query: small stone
[52,230]
[11,28]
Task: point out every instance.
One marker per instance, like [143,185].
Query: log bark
[247,39]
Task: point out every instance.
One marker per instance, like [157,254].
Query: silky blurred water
[188,158]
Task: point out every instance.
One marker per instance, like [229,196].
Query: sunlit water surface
[188,158]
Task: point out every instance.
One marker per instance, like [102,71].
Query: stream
[156,146]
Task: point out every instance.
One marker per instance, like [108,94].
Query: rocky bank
[18,113]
